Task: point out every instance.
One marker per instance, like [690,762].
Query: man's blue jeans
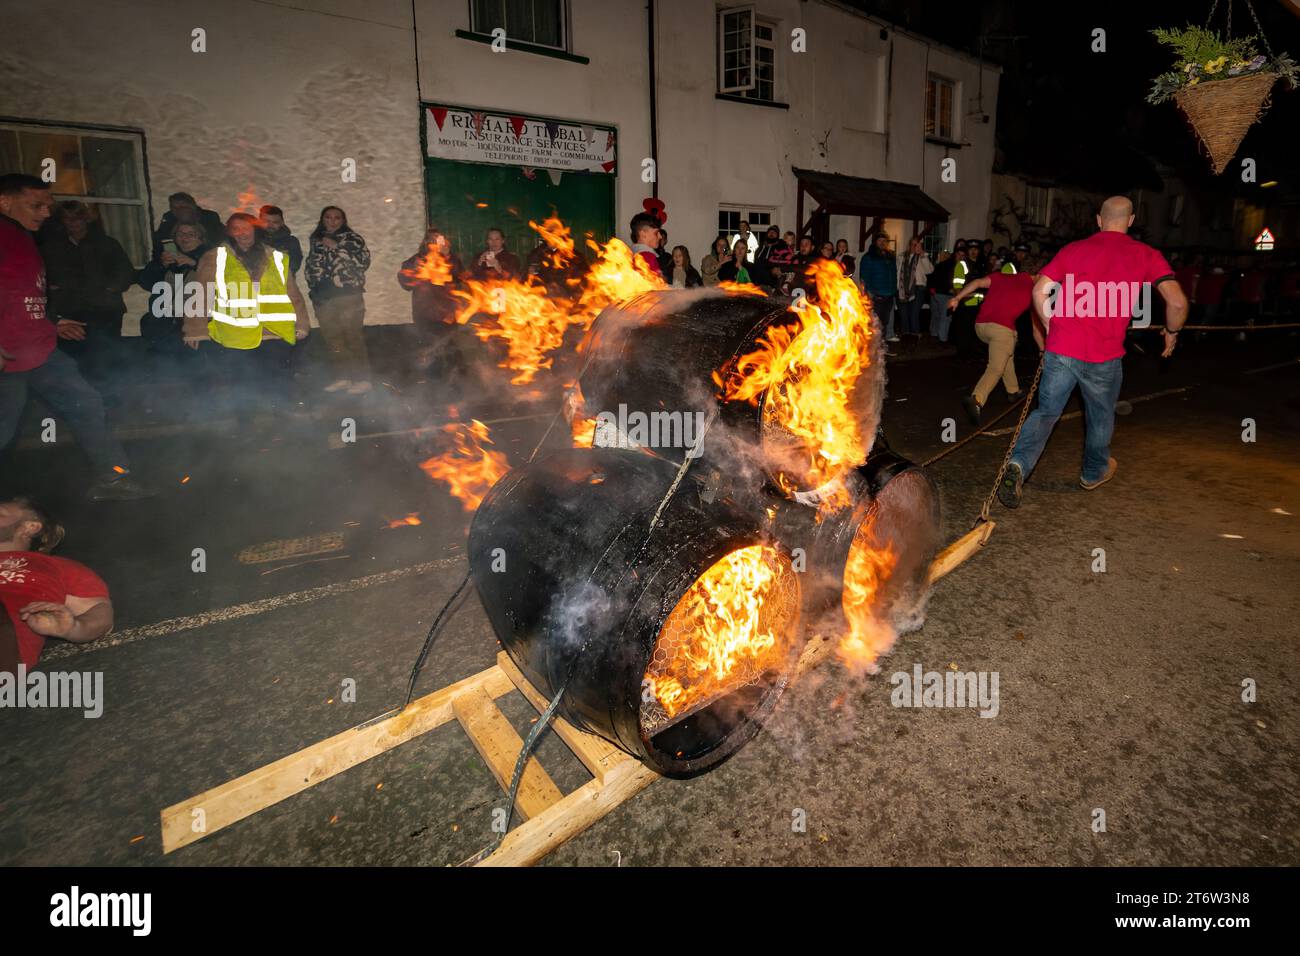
[60,385]
[1099,384]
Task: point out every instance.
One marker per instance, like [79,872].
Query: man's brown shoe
[1111,465]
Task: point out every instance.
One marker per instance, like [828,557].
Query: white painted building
[271,99]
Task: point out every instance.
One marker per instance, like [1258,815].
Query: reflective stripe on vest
[237,321]
[1009,268]
[959,281]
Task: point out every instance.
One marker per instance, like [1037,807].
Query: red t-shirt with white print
[25,333]
[27,576]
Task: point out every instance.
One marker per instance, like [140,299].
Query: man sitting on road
[43,596]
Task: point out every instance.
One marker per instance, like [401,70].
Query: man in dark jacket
[86,272]
[184,208]
[764,273]
[278,235]
[879,272]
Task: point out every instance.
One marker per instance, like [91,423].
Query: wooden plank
[598,755]
[961,549]
[499,746]
[254,791]
[530,841]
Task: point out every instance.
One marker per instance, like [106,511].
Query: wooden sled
[549,817]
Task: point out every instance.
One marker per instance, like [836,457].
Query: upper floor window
[746,54]
[102,168]
[940,95]
[541,22]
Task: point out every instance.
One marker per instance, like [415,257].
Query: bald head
[1116,214]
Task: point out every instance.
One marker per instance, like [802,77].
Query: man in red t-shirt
[1008,296]
[43,596]
[1087,296]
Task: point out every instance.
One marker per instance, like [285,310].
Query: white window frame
[752,83]
[938,80]
[1044,210]
[81,132]
[476,27]
[746,214]
[760,43]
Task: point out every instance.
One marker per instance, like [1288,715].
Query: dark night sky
[1066,111]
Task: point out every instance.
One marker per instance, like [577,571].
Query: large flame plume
[807,372]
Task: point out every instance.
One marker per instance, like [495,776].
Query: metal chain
[1024,414]
[1251,7]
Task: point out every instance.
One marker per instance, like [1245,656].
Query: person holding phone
[172,267]
[496,261]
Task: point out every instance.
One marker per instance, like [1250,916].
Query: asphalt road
[1119,691]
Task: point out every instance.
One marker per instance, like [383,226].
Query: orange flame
[531,321]
[867,570]
[743,288]
[584,432]
[556,234]
[412,518]
[728,628]
[432,267]
[249,202]
[469,469]
[806,373]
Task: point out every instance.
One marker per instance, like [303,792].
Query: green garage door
[467,199]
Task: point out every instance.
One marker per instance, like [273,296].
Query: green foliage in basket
[1204,56]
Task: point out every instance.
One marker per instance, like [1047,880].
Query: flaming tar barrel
[868,562]
[673,645]
[653,357]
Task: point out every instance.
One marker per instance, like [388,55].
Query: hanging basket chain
[1262,38]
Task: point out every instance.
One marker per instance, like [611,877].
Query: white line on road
[1289,363]
[998,432]
[177,624]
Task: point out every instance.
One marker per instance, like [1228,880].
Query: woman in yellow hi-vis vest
[253,306]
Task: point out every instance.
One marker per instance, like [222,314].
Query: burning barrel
[672,353]
[673,646]
[868,562]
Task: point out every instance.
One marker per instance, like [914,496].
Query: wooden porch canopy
[875,199]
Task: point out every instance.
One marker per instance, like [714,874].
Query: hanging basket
[1221,111]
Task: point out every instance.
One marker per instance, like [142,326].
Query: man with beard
[43,596]
[279,236]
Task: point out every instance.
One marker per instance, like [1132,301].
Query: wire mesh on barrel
[732,626]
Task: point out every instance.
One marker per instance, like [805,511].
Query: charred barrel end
[576,592]
[888,532]
[652,360]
